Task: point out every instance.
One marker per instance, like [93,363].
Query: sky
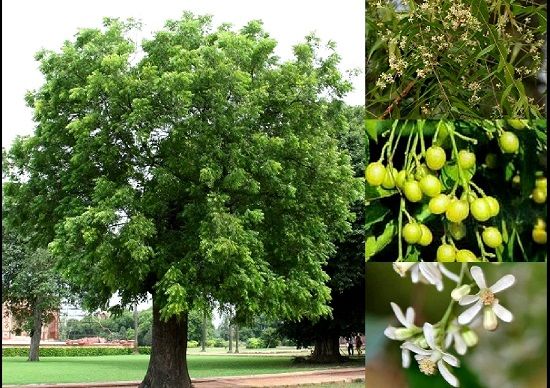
[30,25]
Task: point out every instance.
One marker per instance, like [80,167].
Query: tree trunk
[236,338]
[168,361]
[327,350]
[136,325]
[36,334]
[203,337]
[230,336]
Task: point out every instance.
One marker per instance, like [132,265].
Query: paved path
[336,375]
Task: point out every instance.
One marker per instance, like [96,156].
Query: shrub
[254,343]
[81,351]
[192,344]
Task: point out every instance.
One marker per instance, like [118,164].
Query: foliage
[195,326]
[206,170]
[70,351]
[454,58]
[255,343]
[513,230]
[29,281]
[346,266]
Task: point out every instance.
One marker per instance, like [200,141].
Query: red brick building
[49,331]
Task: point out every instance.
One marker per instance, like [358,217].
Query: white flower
[429,273]
[485,299]
[454,334]
[402,333]
[428,359]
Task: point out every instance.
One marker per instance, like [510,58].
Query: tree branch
[397,100]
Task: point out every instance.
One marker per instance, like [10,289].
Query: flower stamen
[427,366]
[487,297]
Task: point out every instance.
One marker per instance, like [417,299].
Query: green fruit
[539,195]
[539,236]
[466,256]
[466,159]
[468,196]
[430,185]
[389,178]
[516,123]
[439,204]
[457,231]
[491,237]
[412,190]
[446,253]
[457,211]
[540,182]
[421,171]
[375,173]
[435,157]
[540,224]
[427,237]
[401,178]
[412,232]
[494,206]
[480,209]
[516,181]
[509,143]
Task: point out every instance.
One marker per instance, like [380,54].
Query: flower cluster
[433,344]
[429,42]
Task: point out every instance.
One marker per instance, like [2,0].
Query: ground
[16,370]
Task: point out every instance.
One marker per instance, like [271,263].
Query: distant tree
[203,169]
[32,290]
[345,268]
[196,323]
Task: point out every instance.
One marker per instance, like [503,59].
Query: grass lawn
[16,370]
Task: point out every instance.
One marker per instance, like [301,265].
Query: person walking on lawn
[350,345]
[358,343]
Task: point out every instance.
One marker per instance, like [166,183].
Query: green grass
[16,370]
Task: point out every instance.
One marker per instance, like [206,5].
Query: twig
[397,100]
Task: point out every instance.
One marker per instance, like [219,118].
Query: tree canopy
[197,167]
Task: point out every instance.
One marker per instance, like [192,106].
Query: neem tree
[202,168]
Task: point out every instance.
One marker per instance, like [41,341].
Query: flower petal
[414,274]
[502,312]
[503,283]
[450,359]
[399,314]
[429,334]
[416,349]
[449,274]
[478,276]
[405,358]
[447,375]
[469,314]
[468,299]
[460,345]
[448,340]
[390,332]
[409,316]
[431,272]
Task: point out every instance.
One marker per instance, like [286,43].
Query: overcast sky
[28,26]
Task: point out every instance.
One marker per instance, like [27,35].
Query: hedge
[81,351]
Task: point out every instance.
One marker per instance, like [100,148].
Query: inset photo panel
[459,59]
[471,325]
[447,190]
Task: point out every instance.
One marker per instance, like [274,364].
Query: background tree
[345,268]
[206,170]
[32,290]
